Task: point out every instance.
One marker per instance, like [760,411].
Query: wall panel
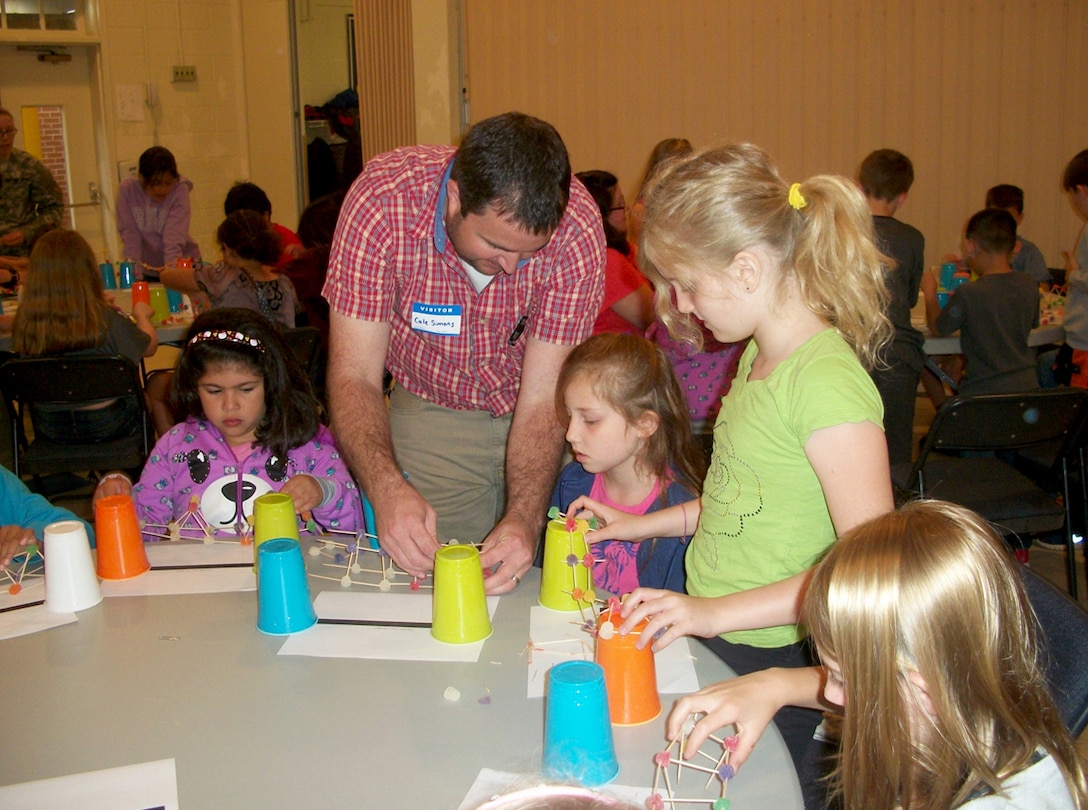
[977,92]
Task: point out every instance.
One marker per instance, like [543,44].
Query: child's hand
[305,492]
[112,484]
[12,540]
[748,702]
[613,523]
[142,309]
[670,613]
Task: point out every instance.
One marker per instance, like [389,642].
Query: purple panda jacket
[193,458]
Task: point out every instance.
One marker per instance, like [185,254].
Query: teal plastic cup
[127,272]
[283,595]
[109,280]
[578,743]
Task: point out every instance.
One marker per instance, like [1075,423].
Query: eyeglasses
[8,133]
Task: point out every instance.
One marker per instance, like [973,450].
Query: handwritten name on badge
[437,319]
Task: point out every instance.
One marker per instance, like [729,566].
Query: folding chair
[72,381]
[982,425]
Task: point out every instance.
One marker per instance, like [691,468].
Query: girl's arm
[749,702]
[675,521]
[344,508]
[637,308]
[851,462]
[179,278]
[142,313]
[131,238]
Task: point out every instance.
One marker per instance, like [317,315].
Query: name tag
[437,319]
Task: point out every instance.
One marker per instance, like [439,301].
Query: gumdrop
[414,585]
[588,560]
[726,772]
[662,759]
[577,594]
[384,585]
[15,588]
[352,546]
[553,513]
[655,802]
[731,743]
[572,560]
[721,803]
[345,581]
[571,524]
[339,558]
[606,630]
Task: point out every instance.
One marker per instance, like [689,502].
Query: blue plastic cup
[128,275]
[283,595]
[578,742]
[109,280]
[948,269]
[173,300]
[942,299]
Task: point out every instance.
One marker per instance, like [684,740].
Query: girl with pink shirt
[628,429]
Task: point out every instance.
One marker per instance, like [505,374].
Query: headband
[241,338]
[796,199]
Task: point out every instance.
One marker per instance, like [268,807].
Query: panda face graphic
[221,497]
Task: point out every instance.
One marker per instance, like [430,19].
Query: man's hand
[12,238]
[508,553]
[407,529]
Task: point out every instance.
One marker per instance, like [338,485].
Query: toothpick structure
[721,770]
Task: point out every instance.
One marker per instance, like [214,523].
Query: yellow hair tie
[796,200]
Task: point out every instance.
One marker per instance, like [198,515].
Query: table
[190,677]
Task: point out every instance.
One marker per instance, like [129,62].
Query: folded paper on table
[178,568]
[375,641]
[148,784]
[559,637]
[491,783]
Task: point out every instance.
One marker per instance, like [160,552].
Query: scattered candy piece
[606,630]
[345,581]
[15,588]
[726,772]
[655,802]
[662,759]
[721,803]
[731,743]
[572,560]
[451,694]
[485,700]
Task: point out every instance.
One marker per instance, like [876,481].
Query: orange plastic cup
[121,553]
[141,291]
[630,674]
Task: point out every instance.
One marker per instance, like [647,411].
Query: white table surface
[190,677]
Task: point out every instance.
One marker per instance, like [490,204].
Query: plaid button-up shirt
[390,252]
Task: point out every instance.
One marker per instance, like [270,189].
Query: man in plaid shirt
[469,274]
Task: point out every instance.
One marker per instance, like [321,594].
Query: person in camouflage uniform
[30,199]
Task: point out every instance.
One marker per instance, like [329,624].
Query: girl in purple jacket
[251,427]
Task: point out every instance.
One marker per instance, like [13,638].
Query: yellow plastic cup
[566,582]
[459,610]
[273,517]
[159,303]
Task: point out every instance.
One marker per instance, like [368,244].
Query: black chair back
[71,381]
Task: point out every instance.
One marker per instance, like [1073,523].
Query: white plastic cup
[70,580]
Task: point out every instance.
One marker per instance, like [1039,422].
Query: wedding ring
[516,578]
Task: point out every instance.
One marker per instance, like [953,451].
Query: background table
[190,677]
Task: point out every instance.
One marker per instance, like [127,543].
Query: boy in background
[1028,259]
[885,178]
[995,313]
[1075,351]
[251,197]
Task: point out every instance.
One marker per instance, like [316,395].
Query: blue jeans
[59,423]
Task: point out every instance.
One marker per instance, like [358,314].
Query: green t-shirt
[764,517]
